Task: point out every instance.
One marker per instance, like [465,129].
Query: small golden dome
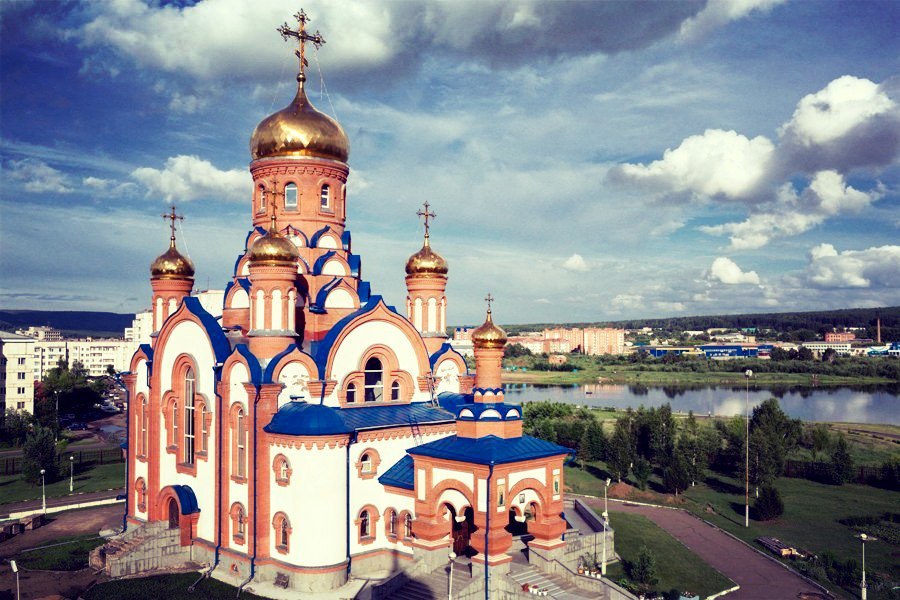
[299,130]
[172,265]
[273,248]
[489,335]
[426,263]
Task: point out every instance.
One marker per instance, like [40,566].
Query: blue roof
[220,345]
[364,291]
[187,499]
[273,364]
[302,418]
[256,374]
[345,240]
[314,240]
[489,450]
[477,408]
[370,417]
[445,349]
[321,349]
[323,293]
[354,261]
[452,401]
[400,475]
[320,262]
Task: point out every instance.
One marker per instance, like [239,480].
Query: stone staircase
[150,547]
[433,586]
[554,586]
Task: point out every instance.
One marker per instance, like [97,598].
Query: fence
[821,471]
[101,456]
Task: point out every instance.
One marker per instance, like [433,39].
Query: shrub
[769,504]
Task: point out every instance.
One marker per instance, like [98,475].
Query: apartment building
[16,372]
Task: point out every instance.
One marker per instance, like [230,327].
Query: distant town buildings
[16,373]
[42,334]
[96,355]
[839,336]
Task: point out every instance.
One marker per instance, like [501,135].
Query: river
[866,404]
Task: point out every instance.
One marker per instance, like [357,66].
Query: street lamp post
[747,374]
[862,587]
[605,525]
[43,493]
[452,558]
[15,569]
[71,474]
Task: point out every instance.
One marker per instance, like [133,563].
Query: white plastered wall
[447,376]
[189,338]
[237,492]
[140,467]
[295,377]
[349,354]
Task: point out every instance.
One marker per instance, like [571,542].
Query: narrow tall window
[351,393]
[241,443]
[240,520]
[365,463]
[364,524]
[175,422]
[283,533]
[145,415]
[392,523]
[325,196]
[395,391]
[262,198]
[374,381]
[407,526]
[290,196]
[189,416]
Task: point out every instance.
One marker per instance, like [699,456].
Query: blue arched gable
[256,372]
[320,262]
[314,240]
[187,499]
[346,240]
[323,348]
[220,345]
[291,230]
[355,263]
[276,360]
[443,350]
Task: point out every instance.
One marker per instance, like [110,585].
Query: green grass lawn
[101,477]
[169,587]
[676,566]
[810,521]
[65,554]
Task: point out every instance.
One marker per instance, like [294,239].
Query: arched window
[144,416]
[282,527]
[374,380]
[365,463]
[364,525]
[141,489]
[407,526]
[241,430]
[204,429]
[283,533]
[351,393]
[189,416]
[290,196]
[282,470]
[261,198]
[391,523]
[238,522]
[175,423]
[395,391]
[325,196]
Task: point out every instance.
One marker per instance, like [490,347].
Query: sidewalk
[57,502]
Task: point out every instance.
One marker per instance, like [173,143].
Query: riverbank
[686,378]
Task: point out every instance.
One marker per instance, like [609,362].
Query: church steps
[150,547]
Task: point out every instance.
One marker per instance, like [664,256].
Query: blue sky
[587,161]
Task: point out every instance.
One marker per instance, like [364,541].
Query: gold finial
[172,217]
[302,37]
[426,216]
[489,299]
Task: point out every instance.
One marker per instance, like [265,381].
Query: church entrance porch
[462,527]
[173,513]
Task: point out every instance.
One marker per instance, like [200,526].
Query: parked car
[78,427]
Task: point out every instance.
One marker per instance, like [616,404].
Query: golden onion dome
[489,335]
[299,130]
[426,263]
[273,248]
[172,264]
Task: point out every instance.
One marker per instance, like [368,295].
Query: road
[758,576]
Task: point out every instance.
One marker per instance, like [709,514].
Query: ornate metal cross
[302,37]
[489,299]
[172,217]
[426,215]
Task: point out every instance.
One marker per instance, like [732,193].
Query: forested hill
[817,321]
[72,323]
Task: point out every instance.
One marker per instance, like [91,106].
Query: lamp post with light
[43,493]
[862,586]
[15,569]
[71,474]
[452,558]
[747,374]
[605,525]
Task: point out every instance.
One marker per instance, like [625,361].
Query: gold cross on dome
[489,299]
[172,217]
[302,37]
[427,215]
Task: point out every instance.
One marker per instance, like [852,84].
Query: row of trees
[650,440]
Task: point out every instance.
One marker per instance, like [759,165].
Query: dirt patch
[63,525]
[624,491]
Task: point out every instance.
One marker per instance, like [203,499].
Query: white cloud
[38,176]
[108,187]
[832,112]
[576,263]
[873,267]
[726,271]
[627,301]
[789,214]
[189,178]
[717,162]
[720,12]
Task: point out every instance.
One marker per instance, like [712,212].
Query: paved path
[758,576]
[15,507]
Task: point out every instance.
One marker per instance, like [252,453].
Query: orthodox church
[311,431]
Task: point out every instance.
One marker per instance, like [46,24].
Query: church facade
[310,431]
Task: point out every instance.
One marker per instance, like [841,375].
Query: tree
[594,441]
[677,472]
[772,436]
[821,440]
[841,462]
[16,425]
[829,355]
[805,353]
[545,430]
[39,452]
[642,471]
[621,449]
[643,570]
[769,503]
